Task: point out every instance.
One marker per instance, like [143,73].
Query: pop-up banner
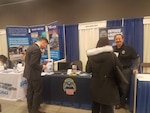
[36,32]
[110,33]
[18,41]
[54,41]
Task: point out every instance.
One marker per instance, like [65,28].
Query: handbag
[120,77]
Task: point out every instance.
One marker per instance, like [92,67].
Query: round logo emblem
[123,51]
[69,86]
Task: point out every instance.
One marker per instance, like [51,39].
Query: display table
[67,90]
[140,94]
[143,93]
[12,85]
[57,89]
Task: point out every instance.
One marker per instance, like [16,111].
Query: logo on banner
[52,27]
[23,83]
[69,86]
[7,86]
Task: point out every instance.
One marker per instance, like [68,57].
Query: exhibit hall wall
[3,42]
[35,12]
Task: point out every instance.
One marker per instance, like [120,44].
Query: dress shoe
[117,106]
[41,112]
[125,106]
[37,111]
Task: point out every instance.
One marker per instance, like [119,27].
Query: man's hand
[135,71]
[44,67]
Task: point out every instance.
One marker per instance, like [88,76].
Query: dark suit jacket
[33,68]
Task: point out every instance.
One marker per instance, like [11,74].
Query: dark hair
[103,41]
[45,39]
[4,58]
[120,35]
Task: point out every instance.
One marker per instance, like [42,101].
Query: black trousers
[124,88]
[0,108]
[34,92]
[100,108]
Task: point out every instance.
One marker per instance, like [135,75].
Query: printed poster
[54,41]
[18,41]
[37,32]
[110,33]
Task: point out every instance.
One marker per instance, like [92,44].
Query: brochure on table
[50,67]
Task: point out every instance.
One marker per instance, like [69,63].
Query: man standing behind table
[130,61]
[32,73]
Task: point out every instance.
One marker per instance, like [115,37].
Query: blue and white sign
[54,41]
[37,32]
[110,33]
[18,40]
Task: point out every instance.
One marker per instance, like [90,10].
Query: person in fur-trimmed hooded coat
[104,89]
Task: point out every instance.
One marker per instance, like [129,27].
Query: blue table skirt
[53,92]
[143,97]
[131,95]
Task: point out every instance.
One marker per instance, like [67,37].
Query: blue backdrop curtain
[72,42]
[133,34]
[114,23]
[61,41]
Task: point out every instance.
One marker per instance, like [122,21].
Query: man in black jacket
[32,73]
[130,61]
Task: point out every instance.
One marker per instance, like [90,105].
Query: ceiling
[11,2]
[34,12]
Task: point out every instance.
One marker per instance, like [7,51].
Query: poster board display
[36,32]
[18,41]
[110,33]
[54,41]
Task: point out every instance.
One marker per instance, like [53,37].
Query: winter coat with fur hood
[100,64]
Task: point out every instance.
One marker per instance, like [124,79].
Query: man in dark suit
[32,73]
